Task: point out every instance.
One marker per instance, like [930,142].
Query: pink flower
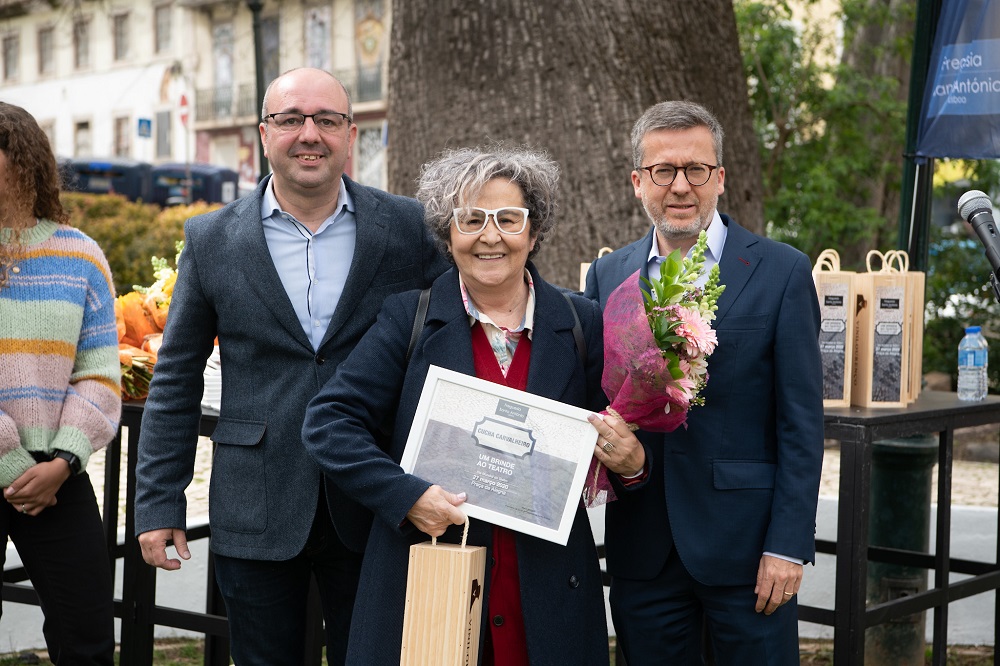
[696,331]
[680,391]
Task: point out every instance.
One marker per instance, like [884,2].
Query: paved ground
[973,483]
[197,492]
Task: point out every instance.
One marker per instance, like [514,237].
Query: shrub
[958,295]
[130,233]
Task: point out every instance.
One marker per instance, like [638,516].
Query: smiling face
[680,210]
[490,261]
[307,162]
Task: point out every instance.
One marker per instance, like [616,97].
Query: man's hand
[778,581]
[154,548]
[35,490]
[435,511]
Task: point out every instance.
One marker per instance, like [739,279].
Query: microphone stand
[995,285]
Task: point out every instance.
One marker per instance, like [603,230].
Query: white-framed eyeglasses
[472,220]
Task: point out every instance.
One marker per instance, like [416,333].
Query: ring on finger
[23,509]
[789,594]
[607,446]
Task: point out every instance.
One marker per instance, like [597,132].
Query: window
[82,145]
[271,40]
[122,136]
[46,51]
[11,57]
[161,28]
[119,28]
[370,168]
[49,127]
[318,30]
[222,53]
[81,44]
[163,133]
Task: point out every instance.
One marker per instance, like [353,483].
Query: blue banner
[960,115]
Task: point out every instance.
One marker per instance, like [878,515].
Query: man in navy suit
[288,280]
[720,526]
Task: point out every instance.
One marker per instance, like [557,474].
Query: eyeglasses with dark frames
[472,220]
[696,173]
[325,121]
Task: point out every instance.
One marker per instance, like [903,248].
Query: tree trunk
[570,77]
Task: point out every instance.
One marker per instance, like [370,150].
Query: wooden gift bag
[881,339]
[585,266]
[835,289]
[915,280]
[444,602]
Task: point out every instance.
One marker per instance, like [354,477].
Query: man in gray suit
[288,280]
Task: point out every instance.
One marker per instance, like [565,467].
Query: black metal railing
[223,103]
[366,84]
[855,428]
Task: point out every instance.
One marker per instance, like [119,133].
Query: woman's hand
[35,490]
[435,511]
[617,447]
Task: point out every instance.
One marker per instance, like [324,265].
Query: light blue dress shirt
[313,267]
[716,233]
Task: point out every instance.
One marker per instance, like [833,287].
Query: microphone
[975,207]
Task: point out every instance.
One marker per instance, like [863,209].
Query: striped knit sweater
[59,371]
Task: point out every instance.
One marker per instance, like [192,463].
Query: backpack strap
[418,321]
[581,343]
[421,315]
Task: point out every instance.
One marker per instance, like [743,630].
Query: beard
[672,229]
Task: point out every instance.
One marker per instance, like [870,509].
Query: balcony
[232,105]
[226,104]
[10,9]
[366,84]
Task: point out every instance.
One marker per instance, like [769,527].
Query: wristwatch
[74,462]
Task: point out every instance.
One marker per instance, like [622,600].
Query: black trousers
[266,600]
[660,622]
[66,559]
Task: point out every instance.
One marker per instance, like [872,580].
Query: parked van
[185,183]
[104,175]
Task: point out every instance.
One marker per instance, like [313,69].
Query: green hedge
[130,233]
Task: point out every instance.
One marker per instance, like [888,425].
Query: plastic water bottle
[973,355]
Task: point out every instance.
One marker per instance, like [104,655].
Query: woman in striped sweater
[59,396]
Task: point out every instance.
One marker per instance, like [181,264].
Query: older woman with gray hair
[492,316]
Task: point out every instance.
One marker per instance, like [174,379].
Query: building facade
[175,80]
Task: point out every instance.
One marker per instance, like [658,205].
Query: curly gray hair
[456,177]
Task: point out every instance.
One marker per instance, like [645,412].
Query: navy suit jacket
[264,488]
[743,477]
[561,588]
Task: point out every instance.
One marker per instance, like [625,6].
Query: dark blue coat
[743,477]
[561,589]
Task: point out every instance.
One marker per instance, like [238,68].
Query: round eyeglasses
[473,220]
[325,121]
[696,174]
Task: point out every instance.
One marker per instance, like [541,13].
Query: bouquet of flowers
[141,315]
[656,349]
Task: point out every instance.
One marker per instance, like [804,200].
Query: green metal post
[900,518]
[917,189]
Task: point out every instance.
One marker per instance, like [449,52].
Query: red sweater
[506,644]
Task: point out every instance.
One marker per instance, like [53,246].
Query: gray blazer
[264,488]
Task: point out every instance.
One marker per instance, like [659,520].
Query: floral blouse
[502,340]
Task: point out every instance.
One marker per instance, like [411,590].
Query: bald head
[303,76]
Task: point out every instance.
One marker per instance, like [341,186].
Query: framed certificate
[521,459]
